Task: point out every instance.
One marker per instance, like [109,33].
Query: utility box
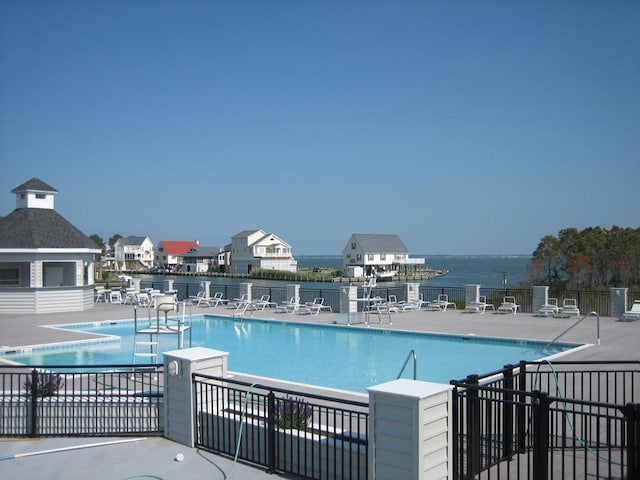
[410,431]
[179,365]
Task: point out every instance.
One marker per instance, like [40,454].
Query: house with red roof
[170,252]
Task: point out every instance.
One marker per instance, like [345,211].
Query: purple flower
[293,413]
[46,385]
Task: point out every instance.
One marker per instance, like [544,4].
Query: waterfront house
[378,253]
[170,252]
[255,249]
[133,253]
[46,264]
[204,259]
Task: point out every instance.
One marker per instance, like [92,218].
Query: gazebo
[46,264]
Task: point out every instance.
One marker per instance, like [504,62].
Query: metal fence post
[540,407]
[33,413]
[507,413]
[473,427]
[631,414]
[521,413]
[271,432]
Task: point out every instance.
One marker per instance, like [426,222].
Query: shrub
[293,413]
[47,384]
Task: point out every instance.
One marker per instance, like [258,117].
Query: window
[383,256]
[370,257]
[9,277]
[353,246]
[40,196]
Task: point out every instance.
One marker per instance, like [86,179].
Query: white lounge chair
[549,308]
[441,304]
[508,305]
[318,305]
[633,314]
[478,306]
[115,296]
[569,308]
[217,299]
[264,302]
[200,299]
[100,294]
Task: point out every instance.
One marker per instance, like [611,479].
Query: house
[46,264]
[204,259]
[133,253]
[170,251]
[253,249]
[377,253]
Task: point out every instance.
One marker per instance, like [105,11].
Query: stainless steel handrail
[590,314]
[413,354]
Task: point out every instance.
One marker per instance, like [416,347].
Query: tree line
[592,258]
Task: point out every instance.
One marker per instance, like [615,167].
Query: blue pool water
[348,358]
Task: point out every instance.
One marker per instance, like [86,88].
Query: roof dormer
[34,193]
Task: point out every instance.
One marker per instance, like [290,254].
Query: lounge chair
[318,305]
[478,306]
[217,299]
[264,302]
[291,306]
[569,308]
[100,294]
[441,304]
[200,299]
[633,314]
[549,308]
[508,305]
[115,296]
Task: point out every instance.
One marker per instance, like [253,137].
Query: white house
[253,249]
[46,264]
[133,253]
[377,252]
[204,259]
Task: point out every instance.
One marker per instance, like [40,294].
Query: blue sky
[465,127]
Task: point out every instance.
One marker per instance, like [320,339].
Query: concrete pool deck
[154,457]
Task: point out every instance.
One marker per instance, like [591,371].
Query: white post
[178,391]
[293,291]
[412,292]
[472,293]
[245,289]
[205,287]
[618,301]
[410,434]
[540,297]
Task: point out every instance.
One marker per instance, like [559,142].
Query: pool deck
[155,457]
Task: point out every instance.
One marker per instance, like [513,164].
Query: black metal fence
[588,301]
[74,401]
[549,421]
[308,435]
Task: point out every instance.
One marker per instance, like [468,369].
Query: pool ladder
[412,354]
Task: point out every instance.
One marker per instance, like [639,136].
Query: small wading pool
[342,357]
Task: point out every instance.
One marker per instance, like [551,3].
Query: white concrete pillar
[206,288]
[135,283]
[245,289]
[472,293]
[168,285]
[412,291]
[410,434]
[178,389]
[618,301]
[540,297]
[293,290]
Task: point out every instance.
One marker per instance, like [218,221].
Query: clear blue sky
[465,127]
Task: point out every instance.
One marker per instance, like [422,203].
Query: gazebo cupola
[35,194]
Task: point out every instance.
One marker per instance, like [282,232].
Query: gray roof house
[46,264]
[378,253]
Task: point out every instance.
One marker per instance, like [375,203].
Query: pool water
[343,357]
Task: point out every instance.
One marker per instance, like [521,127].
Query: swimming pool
[343,357]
